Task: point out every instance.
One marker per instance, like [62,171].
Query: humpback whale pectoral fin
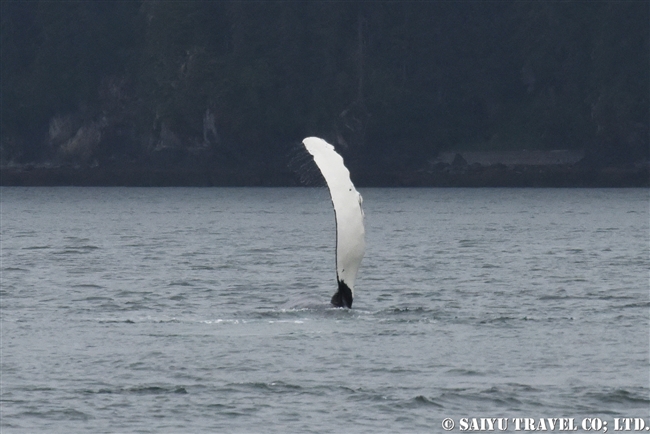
[350,231]
[343,297]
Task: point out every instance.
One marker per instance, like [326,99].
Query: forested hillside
[233,86]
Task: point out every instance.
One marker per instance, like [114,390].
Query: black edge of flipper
[343,297]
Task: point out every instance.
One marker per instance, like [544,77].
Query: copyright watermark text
[529,424]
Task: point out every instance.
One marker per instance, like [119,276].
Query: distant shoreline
[441,176]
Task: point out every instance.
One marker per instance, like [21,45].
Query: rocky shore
[438,175]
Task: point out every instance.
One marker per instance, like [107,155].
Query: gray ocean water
[206,310]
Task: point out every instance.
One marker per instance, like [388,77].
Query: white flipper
[350,232]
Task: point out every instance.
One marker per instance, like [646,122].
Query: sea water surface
[186,310]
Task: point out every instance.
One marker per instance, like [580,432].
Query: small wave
[14,269]
[494,395]
[275,386]
[304,303]
[502,319]
[556,297]
[66,414]
[202,267]
[156,390]
[135,320]
[107,299]
[87,285]
[76,250]
[522,387]
[643,304]
[81,240]
[401,310]
[115,321]
[465,372]
[394,370]
[297,321]
[421,400]
[621,396]
[140,390]
[221,321]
